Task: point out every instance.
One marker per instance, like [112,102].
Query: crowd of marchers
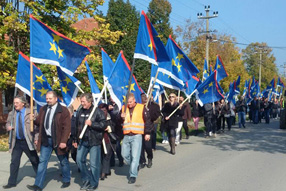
[113,136]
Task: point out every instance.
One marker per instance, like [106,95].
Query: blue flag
[255,91]
[206,71]
[232,93]
[40,83]
[271,86]
[48,46]
[118,82]
[107,64]
[280,83]
[191,85]
[245,89]
[219,67]
[68,86]
[208,91]
[93,86]
[180,68]
[149,46]
[157,91]
[237,83]
[166,80]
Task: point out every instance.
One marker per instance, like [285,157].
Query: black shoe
[65,184]
[34,187]
[187,136]
[243,125]
[85,185]
[108,174]
[7,186]
[149,165]
[91,188]
[103,176]
[120,163]
[131,180]
[141,166]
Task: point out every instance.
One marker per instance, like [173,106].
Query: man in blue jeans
[241,109]
[90,142]
[54,126]
[136,122]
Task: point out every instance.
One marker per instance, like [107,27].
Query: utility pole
[260,62]
[208,37]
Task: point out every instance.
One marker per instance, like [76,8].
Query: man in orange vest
[136,122]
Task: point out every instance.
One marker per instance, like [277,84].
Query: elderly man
[54,130]
[136,121]
[22,139]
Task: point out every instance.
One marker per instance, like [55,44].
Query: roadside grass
[4,146]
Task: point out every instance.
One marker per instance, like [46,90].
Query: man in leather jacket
[90,142]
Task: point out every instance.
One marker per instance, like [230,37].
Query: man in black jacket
[154,111]
[90,142]
[241,108]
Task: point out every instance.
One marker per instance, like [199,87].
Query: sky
[246,20]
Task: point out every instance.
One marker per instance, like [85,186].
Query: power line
[171,18]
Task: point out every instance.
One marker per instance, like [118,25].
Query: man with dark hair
[54,126]
[90,142]
[136,121]
[22,139]
[154,111]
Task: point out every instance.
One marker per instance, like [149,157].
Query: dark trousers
[118,154]
[214,124]
[255,116]
[266,114]
[106,158]
[20,147]
[146,146]
[208,123]
[154,136]
[229,121]
[185,126]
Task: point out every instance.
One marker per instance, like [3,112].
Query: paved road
[240,160]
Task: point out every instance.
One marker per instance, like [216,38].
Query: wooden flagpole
[182,103]
[129,84]
[31,96]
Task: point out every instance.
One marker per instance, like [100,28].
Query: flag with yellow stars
[69,87]
[206,71]
[255,90]
[40,84]
[164,79]
[245,89]
[107,64]
[93,85]
[208,91]
[231,95]
[220,69]
[48,46]
[180,68]
[118,82]
[149,46]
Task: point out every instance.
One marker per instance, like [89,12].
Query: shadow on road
[260,137]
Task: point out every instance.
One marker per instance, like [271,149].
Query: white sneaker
[164,141]
[210,133]
[215,135]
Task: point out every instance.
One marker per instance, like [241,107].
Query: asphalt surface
[247,159]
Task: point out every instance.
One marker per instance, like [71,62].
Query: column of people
[127,133]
